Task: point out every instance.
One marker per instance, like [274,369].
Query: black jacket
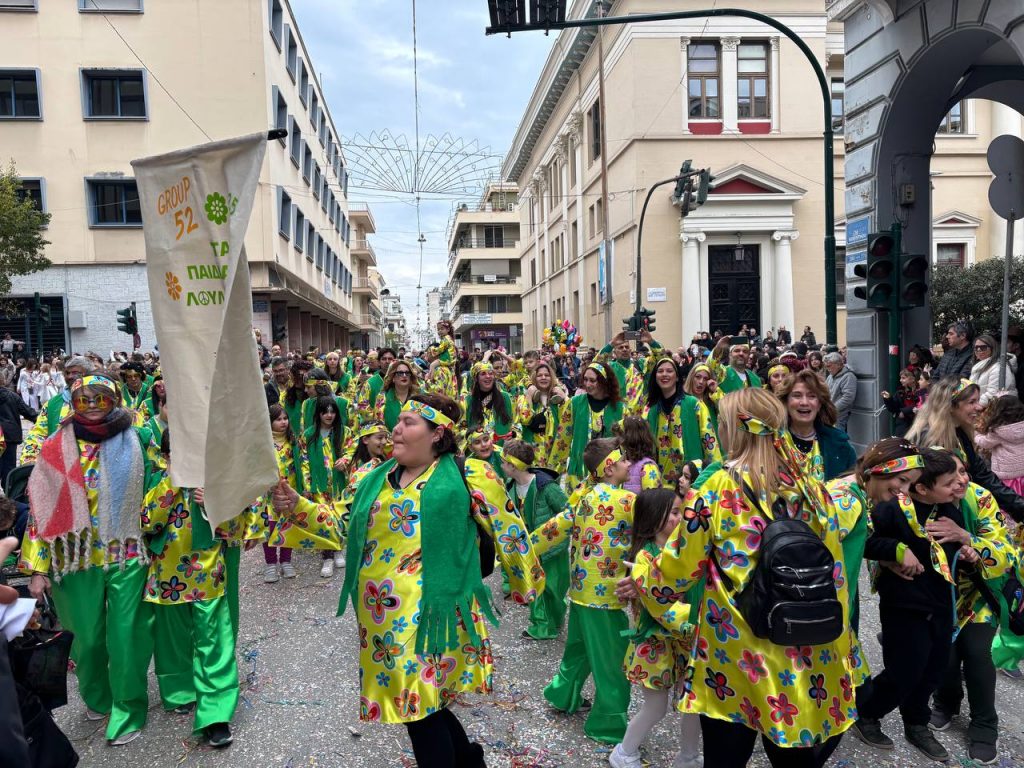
[982,474]
[928,592]
[955,362]
[12,408]
[273,393]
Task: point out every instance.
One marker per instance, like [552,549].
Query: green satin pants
[547,612]
[233,560]
[594,645]
[195,659]
[113,631]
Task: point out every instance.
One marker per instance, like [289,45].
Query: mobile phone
[632,335]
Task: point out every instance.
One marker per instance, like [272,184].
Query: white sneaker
[127,738]
[327,569]
[288,570]
[270,574]
[619,759]
[339,559]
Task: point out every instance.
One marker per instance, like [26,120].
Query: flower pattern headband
[962,386]
[371,429]
[754,425]
[895,466]
[95,380]
[430,414]
[599,368]
[610,461]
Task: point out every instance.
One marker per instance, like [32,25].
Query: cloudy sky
[471,86]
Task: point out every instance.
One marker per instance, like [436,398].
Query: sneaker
[982,754]
[270,574]
[184,709]
[940,720]
[288,570]
[619,759]
[870,732]
[92,714]
[127,738]
[339,559]
[1013,674]
[921,737]
[327,569]
[218,735]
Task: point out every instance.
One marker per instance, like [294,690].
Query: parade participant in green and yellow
[412,573]
[618,355]
[84,533]
[811,417]
[280,380]
[442,368]
[56,410]
[400,383]
[736,375]
[195,656]
[136,388]
[680,423]
[288,450]
[156,384]
[296,394]
[778,376]
[156,426]
[480,445]
[537,414]
[588,416]
[318,385]
[701,383]
[487,405]
[323,465]
[336,373]
[371,387]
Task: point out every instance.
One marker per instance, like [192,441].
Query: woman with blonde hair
[400,383]
[985,372]
[537,413]
[702,384]
[753,671]
[778,377]
[946,420]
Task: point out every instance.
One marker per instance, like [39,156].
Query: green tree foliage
[21,231]
[974,293]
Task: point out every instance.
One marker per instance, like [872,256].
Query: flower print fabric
[792,695]
[670,444]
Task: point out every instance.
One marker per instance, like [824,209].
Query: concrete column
[730,111]
[784,313]
[294,329]
[773,81]
[1005,120]
[305,331]
[691,292]
[684,54]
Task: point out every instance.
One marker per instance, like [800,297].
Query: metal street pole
[640,229]
[826,95]
[1007,266]
[605,229]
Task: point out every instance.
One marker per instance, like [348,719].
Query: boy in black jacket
[916,540]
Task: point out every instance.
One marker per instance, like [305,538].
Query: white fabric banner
[196,205]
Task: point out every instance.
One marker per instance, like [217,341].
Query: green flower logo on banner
[216,208]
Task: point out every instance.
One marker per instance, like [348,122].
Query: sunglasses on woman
[84,402]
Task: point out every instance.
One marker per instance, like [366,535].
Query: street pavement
[300,704]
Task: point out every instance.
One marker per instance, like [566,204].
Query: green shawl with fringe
[451,559]
[581,430]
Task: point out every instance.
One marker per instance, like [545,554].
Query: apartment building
[367,281]
[395,332]
[88,85]
[485,271]
[735,96]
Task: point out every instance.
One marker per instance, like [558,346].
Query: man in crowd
[842,386]
[280,378]
[959,357]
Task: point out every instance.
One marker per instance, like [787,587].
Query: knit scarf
[451,560]
[57,493]
[319,479]
[502,429]
[581,430]
[685,410]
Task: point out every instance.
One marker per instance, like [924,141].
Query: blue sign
[857,231]
[856,257]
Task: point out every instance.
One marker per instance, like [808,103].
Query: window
[955,121]
[533,272]
[593,298]
[840,275]
[950,255]
[314,110]
[598,217]
[303,82]
[276,22]
[497,304]
[574,248]
[284,214]
[19,5]
[310,239]
[114,203]
[321,245]
[19,94]
[32,189]
[494,237]
[572,165]
[300,229]
[702,72]
[594,122]
[110,6]
[752,80]
[114,94]
[296,139]
[838,104]
[291,53]
[316,181]
[280,112]
[592,228]
[307,162]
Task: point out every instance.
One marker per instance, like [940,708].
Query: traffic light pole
[831,336]
[894,317]
[640,230]
[39,327]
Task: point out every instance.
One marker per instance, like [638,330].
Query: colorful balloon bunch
[562,337]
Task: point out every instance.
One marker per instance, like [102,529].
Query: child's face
[375,443]
[963,479]
[674,516]
[618,472]
[924,381]
[944,491]
[280,424]
[482,447]
[327,418]
[907,380]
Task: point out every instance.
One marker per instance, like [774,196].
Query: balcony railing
[365,283]
[364,245]
[484,242]
[505,207]
[367,320]
[485,280]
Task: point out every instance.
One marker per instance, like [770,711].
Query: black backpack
[790,597]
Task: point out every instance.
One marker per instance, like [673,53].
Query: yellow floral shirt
[599,531]
[669,439]
[39,432]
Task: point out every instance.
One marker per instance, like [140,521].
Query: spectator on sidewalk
[842,386]
[959,357]
[985,372]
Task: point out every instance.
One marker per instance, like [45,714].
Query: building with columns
[739,98]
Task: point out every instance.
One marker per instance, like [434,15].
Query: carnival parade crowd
[693,523]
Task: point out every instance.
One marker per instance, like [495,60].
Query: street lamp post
[508,16]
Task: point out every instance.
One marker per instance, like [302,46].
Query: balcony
[361,249]
[486,285]
[467,248]
[367,322]
[360,215]
[464,321]
[365,286]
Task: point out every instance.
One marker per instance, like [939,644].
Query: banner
[196,205]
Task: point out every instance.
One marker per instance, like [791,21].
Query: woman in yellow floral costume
[413,576]
[442,369]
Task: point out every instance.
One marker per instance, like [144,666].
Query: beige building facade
[734,96]
[97,83]
[485,271]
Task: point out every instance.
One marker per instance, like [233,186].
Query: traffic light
[631,323]
[42,311]
[646,319]
[913,280]
[703,185]
[127,320]
[682,183]
[879,272]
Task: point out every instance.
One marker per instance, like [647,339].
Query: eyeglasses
[82,402]
[981,346]
[403,373]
